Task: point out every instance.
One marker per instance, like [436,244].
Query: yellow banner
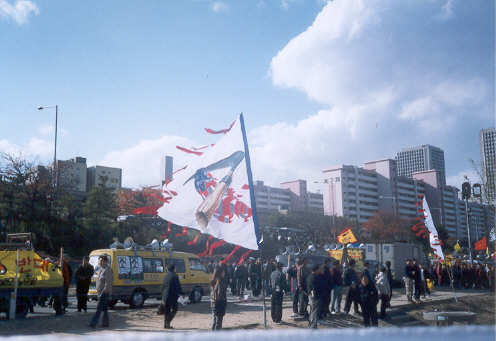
[347,237]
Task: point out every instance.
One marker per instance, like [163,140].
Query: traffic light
[465,190]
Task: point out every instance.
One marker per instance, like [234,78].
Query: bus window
[196,264]
[180,265]
[153,265]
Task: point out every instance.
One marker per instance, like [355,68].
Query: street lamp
[55,153]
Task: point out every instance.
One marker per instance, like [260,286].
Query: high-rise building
[419,159]
[488,155]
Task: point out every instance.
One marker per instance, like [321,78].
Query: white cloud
[141,164]
[261,5]
[456,180]
[385,82]
[286,3]
[19,12]
[219,6]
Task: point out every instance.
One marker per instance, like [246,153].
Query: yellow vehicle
[139,274]
[36,277]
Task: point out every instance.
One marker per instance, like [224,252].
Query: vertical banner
[214,193]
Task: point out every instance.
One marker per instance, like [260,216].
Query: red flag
[481,244]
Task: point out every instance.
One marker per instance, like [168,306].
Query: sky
[319,83]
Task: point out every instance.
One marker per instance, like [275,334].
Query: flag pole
[254,210]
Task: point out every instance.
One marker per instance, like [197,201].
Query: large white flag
[433,236]
[214,193]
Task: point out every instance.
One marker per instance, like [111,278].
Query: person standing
[424,276]
[171,290]
[67,275]
[278,286]
[314,296]
[389,275]
[384,290]
[302,275]
[417,281]
[369,299]
[366,271]
[408,279]
[326,288]
[350,279]
[337,287]
[293,280]
[240,275]
[218,297]
[83,280]
[104,285]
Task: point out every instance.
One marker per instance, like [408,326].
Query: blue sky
[319,83]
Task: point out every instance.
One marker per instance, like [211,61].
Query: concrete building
[357,193]
[291,196]
[488,156]
[421,158]
[95,173]
[72,175]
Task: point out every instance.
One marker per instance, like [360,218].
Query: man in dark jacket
[350,279]
[293,280]
[369,299]
[337,285]
[171,290]
[302,274]
[417,280]
[314,290]
[240,276]
[83,280]
[278,286]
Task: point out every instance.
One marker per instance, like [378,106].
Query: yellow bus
[139,274]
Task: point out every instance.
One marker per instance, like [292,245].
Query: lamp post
[55,153]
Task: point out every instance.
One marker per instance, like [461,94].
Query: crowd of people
[419,277]
[316,291]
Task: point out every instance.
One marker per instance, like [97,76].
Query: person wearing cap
[104,286]
[278,286]
[83,280]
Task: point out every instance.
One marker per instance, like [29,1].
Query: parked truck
[395,252]
[35,277]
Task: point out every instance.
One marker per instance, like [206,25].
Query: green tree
[99,215]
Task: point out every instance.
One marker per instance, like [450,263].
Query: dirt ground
[240,315]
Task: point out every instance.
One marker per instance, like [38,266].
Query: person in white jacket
[384,290]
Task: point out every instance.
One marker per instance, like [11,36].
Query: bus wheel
[196,295]
[137,300]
